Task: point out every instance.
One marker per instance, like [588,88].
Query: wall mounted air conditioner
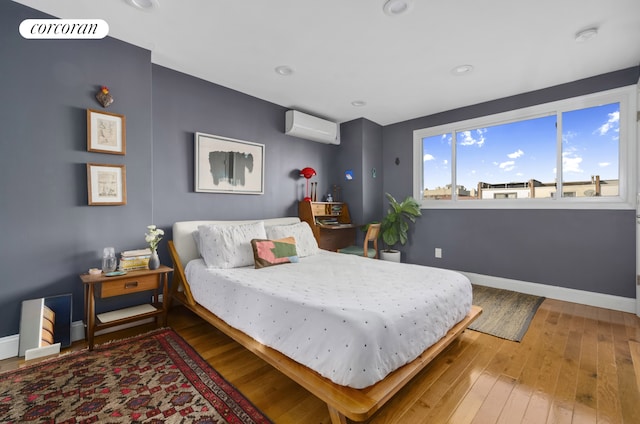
[309,127]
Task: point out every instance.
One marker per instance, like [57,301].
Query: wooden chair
[371,237]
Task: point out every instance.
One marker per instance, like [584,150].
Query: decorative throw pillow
[306,243]
[229,245]
[274,252]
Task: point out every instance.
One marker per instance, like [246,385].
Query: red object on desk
[307,173]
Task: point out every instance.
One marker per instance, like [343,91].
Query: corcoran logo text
[64,28]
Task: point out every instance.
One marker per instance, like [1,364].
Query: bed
[319,305]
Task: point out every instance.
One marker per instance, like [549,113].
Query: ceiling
[343,51]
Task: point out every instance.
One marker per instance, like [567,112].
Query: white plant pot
[390,255]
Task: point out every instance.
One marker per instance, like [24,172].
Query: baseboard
[9,345]
[77,331]
[601,300]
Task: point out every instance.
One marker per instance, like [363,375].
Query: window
[589,152]
[582,148]
[505,195]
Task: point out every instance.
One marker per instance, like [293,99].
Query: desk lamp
[307,173]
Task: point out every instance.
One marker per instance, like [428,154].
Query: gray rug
[505,314]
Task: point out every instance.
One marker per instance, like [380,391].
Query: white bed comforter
[351,319]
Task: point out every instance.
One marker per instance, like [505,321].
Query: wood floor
[576,364]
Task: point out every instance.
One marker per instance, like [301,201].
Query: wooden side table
[101,286]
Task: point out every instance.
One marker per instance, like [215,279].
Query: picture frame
[227,165]
[106,132]
[106,184]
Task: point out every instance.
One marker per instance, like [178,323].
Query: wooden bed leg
[175,283]
[336,417]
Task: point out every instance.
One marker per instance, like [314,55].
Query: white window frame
[627,97]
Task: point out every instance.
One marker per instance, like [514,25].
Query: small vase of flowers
[153,237]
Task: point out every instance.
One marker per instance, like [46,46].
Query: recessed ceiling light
[586,35]
[358,103]
[284,70]
[142,4]
[462,70]
[395,7]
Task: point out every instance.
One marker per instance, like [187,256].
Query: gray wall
[360,152]
[49,234]
[183,105]
[590,250]
[372,172]
[350,158]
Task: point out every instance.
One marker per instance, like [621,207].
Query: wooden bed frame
[343,402]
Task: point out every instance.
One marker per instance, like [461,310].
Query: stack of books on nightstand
[134,259]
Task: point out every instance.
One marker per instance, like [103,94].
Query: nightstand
[100,287]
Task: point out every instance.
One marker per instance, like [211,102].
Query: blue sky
[526,150]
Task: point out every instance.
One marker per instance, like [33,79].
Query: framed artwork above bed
[226,165]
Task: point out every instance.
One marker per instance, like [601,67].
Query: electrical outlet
[438,252]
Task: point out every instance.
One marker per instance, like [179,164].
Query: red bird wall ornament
[104,97]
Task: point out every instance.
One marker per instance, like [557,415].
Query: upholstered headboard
[186,246]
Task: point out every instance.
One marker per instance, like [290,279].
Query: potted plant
[395,225]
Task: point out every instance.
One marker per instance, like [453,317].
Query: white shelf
[125,313]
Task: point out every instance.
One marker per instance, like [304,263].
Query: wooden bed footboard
[343,402]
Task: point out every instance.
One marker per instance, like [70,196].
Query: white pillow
[306,243]
[229,245]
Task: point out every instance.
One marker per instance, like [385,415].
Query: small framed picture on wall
[106,132]
[107,184]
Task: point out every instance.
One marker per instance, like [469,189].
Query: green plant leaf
[395,225]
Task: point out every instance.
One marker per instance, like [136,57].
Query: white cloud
[515,154]
[447,137]
[569,135]
[508,165]
[469,140]
[571,163]
[611,124]
[445,162]
[604,164]
[428,157]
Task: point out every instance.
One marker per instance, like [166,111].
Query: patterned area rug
[505,314]
[153,378]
